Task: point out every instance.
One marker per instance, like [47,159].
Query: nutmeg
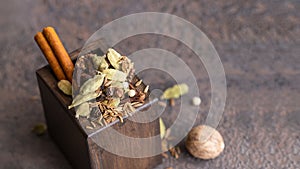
[204,142]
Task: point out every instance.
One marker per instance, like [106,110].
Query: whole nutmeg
[204,142]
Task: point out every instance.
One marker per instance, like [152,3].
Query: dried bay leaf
[114,58]
[116,75]
[79,99]
[175,92]
[92,84]
[65,86]
[83,110]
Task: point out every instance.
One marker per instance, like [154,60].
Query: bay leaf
[92,84]
[114,58]
[83,110]
[113,74]
[175,92]
[65,86]
[79,99]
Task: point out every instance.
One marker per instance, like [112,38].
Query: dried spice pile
[111,93]
[165,135]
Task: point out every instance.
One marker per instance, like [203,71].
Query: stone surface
[258,43]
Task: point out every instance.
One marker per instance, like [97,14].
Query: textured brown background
[258,42]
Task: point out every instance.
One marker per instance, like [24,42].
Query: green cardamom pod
[83,110]
[114,103]
[39,129]
[95,59]
[103,64]
[175,92]
[114,58]
[99,62]
[65,86]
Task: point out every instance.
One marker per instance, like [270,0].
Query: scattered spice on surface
[162,128]
[39,129]
[196,101]
[204,142]
[175,92]
[162,104]
[165,155]
[165,136]
[175,152]
[89,127]
[172,102]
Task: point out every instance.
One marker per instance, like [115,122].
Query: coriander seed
[131,93]
[196,101]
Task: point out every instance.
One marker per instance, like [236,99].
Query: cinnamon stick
[59,51]
[49,55]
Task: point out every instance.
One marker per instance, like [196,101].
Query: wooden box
[69,136]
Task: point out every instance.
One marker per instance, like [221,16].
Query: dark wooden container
[69,136]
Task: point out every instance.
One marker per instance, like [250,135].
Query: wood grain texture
[104,159]
[64,130]
[79,149]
